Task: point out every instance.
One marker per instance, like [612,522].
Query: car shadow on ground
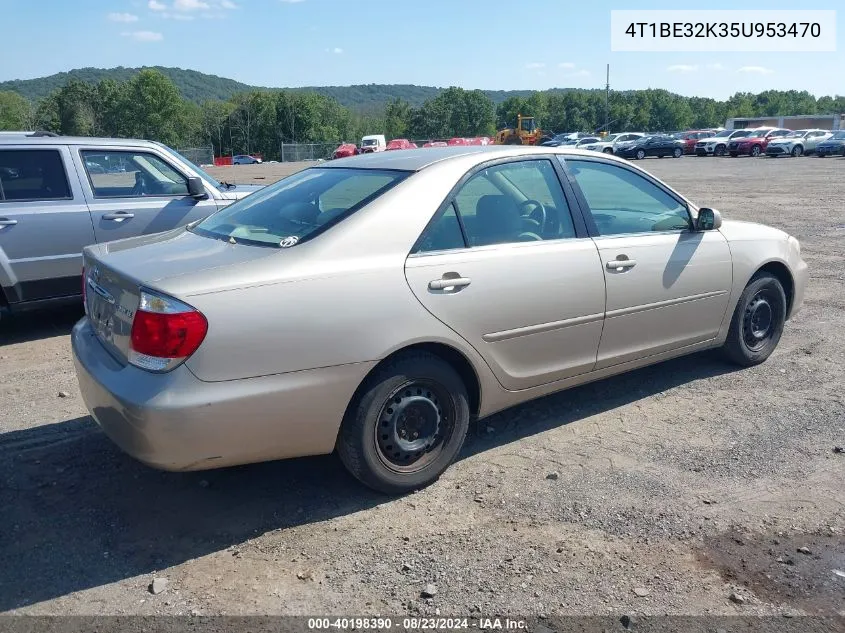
[77,513]
[40,324]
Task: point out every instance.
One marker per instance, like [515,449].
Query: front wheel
[677,153]
[640,154]
[406,424]
[797,151]
[757,322]
[755,151]
[608,150]
[720,150]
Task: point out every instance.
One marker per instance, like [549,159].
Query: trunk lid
[116,271]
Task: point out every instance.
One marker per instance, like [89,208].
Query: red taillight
[164,332]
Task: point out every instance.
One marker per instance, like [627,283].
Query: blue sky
[492,44]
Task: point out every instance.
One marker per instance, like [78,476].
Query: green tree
[15,112]
[397,118]
[154,108]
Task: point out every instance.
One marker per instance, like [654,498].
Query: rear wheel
[406,425]
[757,322]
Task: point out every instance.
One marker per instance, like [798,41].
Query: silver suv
[59,194]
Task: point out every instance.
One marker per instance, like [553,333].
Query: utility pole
[607,102]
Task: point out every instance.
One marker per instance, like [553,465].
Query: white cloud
[755,70]
[336,50]
[567,65]
[190,5]
[155,5]
[682,68]
[122,17]
[535,65]
[177,16]
[715,67]
[228,4]
[143,36]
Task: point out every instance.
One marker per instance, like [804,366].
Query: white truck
[373,143]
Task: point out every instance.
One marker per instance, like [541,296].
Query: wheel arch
[449,354]
[780,271]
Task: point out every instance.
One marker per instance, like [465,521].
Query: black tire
[719,151]
[797,150]
[757,322]
[640,154]
[608,150]
[734,154]
[677,153]
[433,400]
[755,151]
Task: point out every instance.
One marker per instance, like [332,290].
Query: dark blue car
[833,146]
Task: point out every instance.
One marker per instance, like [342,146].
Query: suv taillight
[165,332]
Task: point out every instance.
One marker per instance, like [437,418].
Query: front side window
[32,174]
[123,174]
[298,207]
[512,202]
[622,201]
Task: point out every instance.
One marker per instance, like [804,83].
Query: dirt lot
[663,491]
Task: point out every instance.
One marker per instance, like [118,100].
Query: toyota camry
[375,305]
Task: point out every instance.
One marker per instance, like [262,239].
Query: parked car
[607,144]
[658,145]
[832,146]
[587,140]
[313,316]
[373,143]
[345,150]
[755,143]
[436,144]
[691,137]
[400,143]
[59,194]
[717,145]
[245,159]
[457,140]
[797,143]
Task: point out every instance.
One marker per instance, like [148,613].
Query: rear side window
[32,174]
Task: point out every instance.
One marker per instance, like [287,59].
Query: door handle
[117,217]
[5,222]
[620,264]
[448,282]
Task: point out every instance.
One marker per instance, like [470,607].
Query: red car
[400,143]
[755,144]
[436,144]
[479,140]
[345,150]
[457,141]
[691,137]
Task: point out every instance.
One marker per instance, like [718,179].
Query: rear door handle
[5,222]
[620,264]
[448,282]
[120,215]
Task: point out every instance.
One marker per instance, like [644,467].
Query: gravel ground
[663,491]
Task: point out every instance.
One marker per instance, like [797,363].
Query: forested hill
[198,87]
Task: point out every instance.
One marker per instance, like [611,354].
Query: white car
[717,145]
[797,143]
[611,141]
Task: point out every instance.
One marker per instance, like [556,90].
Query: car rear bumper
[174,421]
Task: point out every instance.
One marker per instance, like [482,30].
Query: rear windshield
[298,207]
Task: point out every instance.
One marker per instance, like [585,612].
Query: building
[799,122]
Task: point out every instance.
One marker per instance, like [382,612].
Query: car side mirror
[708,219]
[196,188]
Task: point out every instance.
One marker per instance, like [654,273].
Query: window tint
[132,175]
[513,202]
[299,206]
[32,174]
[621,201]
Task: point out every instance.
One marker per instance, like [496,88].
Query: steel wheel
[758,320]
[415,423]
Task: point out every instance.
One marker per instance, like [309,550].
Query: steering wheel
[528,236]
[530,216]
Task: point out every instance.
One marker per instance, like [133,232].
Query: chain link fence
[198,155]
[294,152]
